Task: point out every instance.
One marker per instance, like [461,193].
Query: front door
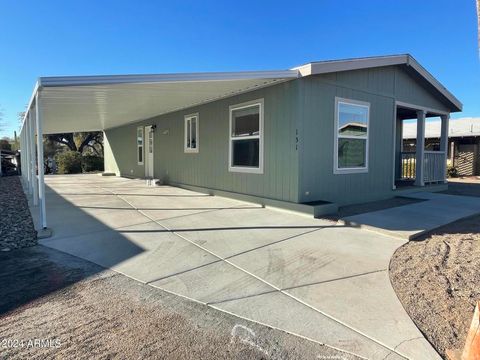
[149,152]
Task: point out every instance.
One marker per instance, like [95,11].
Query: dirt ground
[54,305]
[437,277]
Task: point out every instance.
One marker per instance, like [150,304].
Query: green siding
[317,140]
[209,167]
[305,105]
[381,87]
[409,90]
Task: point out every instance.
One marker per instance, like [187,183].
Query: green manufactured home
[313,137]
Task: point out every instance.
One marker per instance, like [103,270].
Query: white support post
[22,147]
[26,126]
[40,166]
[444,142]
[25,156]
[32,159]
[41,179]
[420,153]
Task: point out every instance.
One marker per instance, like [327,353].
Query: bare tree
[81,142]
[20,116]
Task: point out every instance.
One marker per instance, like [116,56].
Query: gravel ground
[16,226]
[356,209]
[467,186]
[84,311]
[437,277]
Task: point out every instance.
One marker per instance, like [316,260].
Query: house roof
[457,128]
[323,67]
[88,103]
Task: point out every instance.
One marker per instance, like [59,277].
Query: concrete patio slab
[167,202]
[70,221]
[173,213]
[247,216]
[282,312]
[413,220]
[261,264]
[319,256]
[214,283]
[227,243]
[387,321]
[153,191]
[145,252]
[96,201]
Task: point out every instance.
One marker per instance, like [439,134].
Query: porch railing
[433,168]
[408,165]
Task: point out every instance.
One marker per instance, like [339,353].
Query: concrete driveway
[313,278]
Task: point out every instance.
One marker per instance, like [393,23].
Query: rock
[16,229]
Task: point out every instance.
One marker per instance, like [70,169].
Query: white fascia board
[356,64]
[324,67]
[165,78]
[36,88]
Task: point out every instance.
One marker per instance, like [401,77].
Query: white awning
[90,103]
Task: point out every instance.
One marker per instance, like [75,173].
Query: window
[351,136]
[246,137]
[140,145]
[191,133]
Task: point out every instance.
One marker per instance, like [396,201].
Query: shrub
[452,171]
[92,163]
[69,162]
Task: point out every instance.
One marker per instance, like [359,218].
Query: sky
[89,37]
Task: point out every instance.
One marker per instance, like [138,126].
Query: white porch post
[420,157]
[444,141]
[33,171]
[41,180]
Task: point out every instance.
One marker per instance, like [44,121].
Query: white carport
[97,103]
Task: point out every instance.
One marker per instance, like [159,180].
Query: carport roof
[89,103]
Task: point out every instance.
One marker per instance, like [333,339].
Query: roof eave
[324,67]
[435,83]
[165,78]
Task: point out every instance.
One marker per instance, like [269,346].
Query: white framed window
[191,133]
[140,153]
[246,137]
[351,136]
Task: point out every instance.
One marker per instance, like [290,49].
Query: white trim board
[354,170]
[188,118]
[241,169]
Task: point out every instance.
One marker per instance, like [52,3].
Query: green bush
[92,163]
[452,171]
[69,162]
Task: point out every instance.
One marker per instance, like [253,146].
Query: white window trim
[356,170]
[186,119]
[244,169]
[142,146]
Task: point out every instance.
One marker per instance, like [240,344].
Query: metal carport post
[40,165]
[34,184]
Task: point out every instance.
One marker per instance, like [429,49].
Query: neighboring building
[463,147]
[323,133]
